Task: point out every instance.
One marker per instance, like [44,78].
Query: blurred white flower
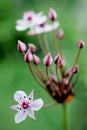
[30,20]
[26,106]
[43,28]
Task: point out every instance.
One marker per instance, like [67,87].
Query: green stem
[54,42]
[66,119]
[57,74]
[46,42]
[77,57]
[40,44]
[47,73]
[35,77]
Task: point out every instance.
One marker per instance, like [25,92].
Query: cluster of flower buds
[58,82]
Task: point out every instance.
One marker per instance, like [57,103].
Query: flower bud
[52,14]
[21,46]
[60,34]
[28,57]
[59,60]
[75,69]
[32,48]
[72,70]
[36,59]
[48,60]
[80,44]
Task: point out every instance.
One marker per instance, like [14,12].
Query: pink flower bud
[59,60]
[36,59]
[75,69]
[80,44]
[60,34]
[21,46]
[52,14]
[72,70]
[48,60]
[32,47]
[28,57]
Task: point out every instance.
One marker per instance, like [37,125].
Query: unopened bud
[21,46]
[59,60]
[28,57]
[52,14]
[75,69]
[48,60]
[36,59]
[60,34]
[80,44]
[32,48]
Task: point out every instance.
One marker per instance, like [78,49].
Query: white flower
[26,106]
[43,28]
[30,20]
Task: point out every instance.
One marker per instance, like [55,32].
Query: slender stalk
[57,73]
[66,117]
[50,105]
[77,57]
[76,61]
[47,73]
[60,47]
[54,42]
[41,73]
[46,42]
[35,77]
[40,44]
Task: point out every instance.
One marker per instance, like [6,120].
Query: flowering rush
[26,106]
[56,79]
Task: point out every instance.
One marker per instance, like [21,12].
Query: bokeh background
[14,73]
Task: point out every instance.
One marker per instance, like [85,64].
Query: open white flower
[43,28]
[26,106]
[30,20]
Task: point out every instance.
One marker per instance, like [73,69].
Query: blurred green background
[14,73]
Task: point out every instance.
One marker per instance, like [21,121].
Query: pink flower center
[42,25]
[29,18]
[25,105]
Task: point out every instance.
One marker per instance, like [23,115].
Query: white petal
[42,20]
[36,30]
[21,25]
[31,114]
[16,107]
[30,97]
[20,96]
[55,25]
[20,116]
[37,104]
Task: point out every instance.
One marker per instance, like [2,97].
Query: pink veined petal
[20,116]
[31,114]
[37,104]
[30,97]
[20,96]
[16,107]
